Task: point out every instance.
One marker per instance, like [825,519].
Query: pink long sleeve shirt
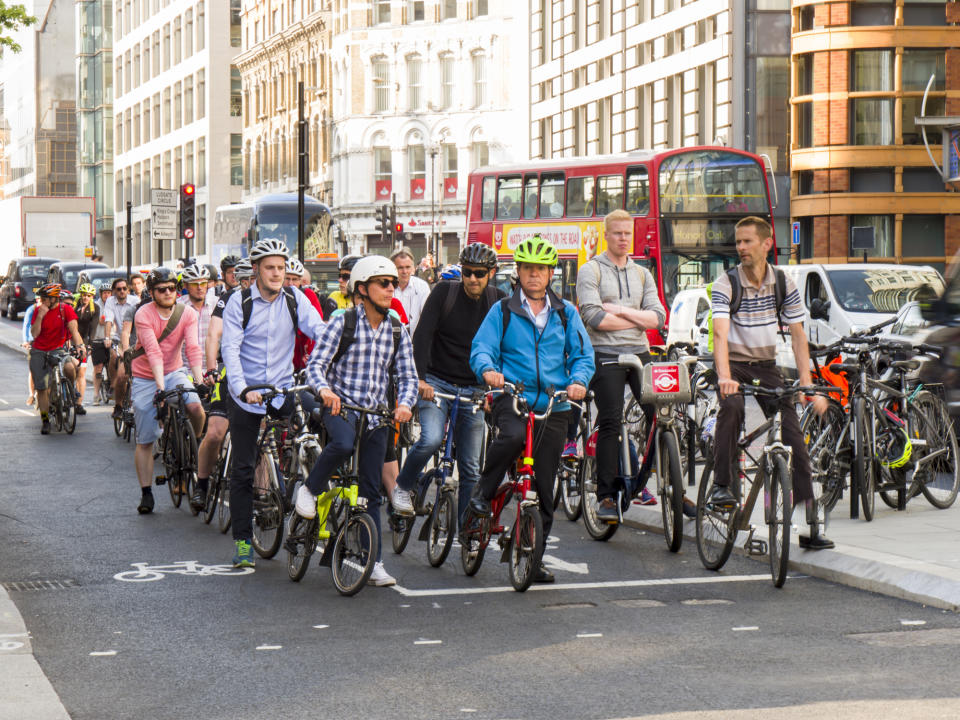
[166,357]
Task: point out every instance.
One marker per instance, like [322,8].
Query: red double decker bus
[685,204]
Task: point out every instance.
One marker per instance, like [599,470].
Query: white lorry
[57,227]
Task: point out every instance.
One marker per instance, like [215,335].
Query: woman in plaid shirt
[361,377]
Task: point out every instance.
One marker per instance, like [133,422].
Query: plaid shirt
[362,376]
[209,303]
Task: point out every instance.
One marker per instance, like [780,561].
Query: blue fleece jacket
[524,354]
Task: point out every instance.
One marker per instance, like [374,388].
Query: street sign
[159,196]
[164,217]
[796,233]
[863,237]
[163,233]
[951,154]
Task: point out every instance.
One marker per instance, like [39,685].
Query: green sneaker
[244,555]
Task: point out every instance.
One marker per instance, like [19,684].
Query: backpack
[452,291]
[349,334]
[246,304]
[736,291]
[507,313]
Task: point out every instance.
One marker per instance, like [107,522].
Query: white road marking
[11,645]
[436,606]
[913,622]
[555,563]
[709,580]
[320,627]
[269,647]
[745,628]
[24,412]
[103,653]
[707,601]
[4,401]
[589,635]
[404,606]
[423,641]
[468,710]
[6,635]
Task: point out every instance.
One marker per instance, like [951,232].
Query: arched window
[382,169]
[417,169]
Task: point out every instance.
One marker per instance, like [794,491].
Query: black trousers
[730,420]
[608,384]
[507,446]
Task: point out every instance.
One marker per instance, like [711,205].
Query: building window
[872,13]
[883,234]
[383,12]
[188,164]
[382,174]
[805,74]
[448,155]
[177,106]
[381,84]
[805,125]
[417,170]
[923,235]
[924,12]
[156,115]
[414,88]
[480,154]
[166,110]
[201,26]
[871,180]
[188,100]
[177,41]
[236,159]
[415,11]
[177,166]
[166,46]
[201,228]
[188,34]
[481,7]
[479,62]
[919,65]
[872,71]
[236,92]
[201,162]
[147,127]
[925,180]
[201,94]
[872,121]
[446,81]
[156,53]
[912,133]
[235,8]
[449,9]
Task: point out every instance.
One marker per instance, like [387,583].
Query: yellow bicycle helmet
[536,251]
[894,447]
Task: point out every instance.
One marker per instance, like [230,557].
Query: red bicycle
[522,543]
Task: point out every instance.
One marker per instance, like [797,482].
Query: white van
[842,298]
[688,316]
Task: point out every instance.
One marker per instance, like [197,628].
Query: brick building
[859,75]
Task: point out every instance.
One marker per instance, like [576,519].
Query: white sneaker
[306,504]
[400,499]
[380,577]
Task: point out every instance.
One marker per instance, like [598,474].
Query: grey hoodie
[600,281]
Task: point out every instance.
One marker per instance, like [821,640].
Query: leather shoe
[607,510]
[689,508]
[816,542]
[480,507]
[721,497]
[199,499]
[543,575]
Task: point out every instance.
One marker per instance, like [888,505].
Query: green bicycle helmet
[536,251]
[894,447]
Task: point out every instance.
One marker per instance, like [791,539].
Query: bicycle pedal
[160,480]
[756,547]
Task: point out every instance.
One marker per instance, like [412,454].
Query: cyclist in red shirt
[54,326]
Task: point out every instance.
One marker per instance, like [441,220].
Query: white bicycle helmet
[294,267]
[243,269]
[195,273]
[368,267]
[268,247]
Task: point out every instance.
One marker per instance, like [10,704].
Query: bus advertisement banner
[582,240]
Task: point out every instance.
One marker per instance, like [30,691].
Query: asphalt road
[628,630]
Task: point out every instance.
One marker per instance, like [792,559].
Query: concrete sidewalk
[913,554]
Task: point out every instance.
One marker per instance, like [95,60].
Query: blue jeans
[467,440]
[341,433]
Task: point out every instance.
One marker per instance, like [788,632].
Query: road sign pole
[129,238]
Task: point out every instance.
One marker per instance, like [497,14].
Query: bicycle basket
[665,383]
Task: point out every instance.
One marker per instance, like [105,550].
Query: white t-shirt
[413,298]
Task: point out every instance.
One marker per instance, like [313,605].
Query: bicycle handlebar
[379,411]
[475,400]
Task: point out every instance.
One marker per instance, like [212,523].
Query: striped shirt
[753,328]
[362,376]
[203,324]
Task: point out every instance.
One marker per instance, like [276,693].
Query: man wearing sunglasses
[361,374]
[450,319]
[340,299]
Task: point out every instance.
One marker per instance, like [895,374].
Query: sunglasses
[121,288]
[345,276]
[165,289]
[386,282]
[467,272]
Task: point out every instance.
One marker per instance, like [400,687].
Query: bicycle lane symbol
[149,573]
[555,563]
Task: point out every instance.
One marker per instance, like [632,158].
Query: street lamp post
[433,245]
[302,155]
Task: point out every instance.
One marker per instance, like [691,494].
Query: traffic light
[397,230]
[383,222]
[188,195]
[395,227]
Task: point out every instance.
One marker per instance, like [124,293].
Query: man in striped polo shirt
[744,348]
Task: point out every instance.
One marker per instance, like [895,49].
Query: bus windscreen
[712,181]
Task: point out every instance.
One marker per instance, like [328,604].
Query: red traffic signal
[398,228]
[188,189]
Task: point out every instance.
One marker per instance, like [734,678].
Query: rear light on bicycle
[16,291]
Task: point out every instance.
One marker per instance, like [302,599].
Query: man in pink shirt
[157,366]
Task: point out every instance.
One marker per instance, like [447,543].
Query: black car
[68,273]
[944,317]
[101,277]
[23,275]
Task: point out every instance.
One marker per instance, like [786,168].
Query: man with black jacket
[441,349]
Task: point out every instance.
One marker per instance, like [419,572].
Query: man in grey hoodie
[618,303]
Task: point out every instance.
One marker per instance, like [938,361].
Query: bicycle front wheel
[526,548]
[472,544]
[821,434]
[170,454]
[223,508]
[587,481]
[442,527]
[778,520]
[301,544]
[68,406]
[267,508]
[863,471]
[188,463]
[213,499]
[570,489]
[715,526]
[940,476]
[354,553]
[670,488]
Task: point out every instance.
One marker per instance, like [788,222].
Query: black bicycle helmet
[228,262]
[478,254]
[214,273]
[348,262]
[161,275]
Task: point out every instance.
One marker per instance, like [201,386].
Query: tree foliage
[12,18]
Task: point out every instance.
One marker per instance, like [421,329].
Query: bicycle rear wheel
[170,454]
[863,469]
[354,553]
[267,508]
[223,499]
[68,406]
[526,548]
[118,426]
[670,489]
[301,544]
[472,544]
[715,526]
[821,434]
[188,462]
[54,408]
[778,520]
[570,498]
[442,527]
[939,478]
[587,480]
[213,498]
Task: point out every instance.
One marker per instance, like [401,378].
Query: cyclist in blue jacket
[538,339]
